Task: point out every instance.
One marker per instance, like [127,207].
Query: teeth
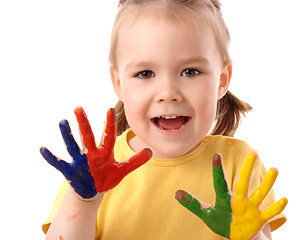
[171,130]
[168,117]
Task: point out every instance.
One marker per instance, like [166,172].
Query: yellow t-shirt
[143,206]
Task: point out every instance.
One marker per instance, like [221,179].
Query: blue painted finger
[53,160]
[77,173]
[72,146]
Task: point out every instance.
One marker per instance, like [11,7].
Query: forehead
[166,40]
[148,29]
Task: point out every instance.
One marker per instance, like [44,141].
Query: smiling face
[169,75]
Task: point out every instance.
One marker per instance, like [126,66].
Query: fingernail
[252,156]
[274,170]
[148,150]
[180,195]
[217,160]
[111,113]
[284,202]
[78,109]
[63,123]
[41,149]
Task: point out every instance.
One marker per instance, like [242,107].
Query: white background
[54,56]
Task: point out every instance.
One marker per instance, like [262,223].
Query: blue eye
[146,74]
[189,72]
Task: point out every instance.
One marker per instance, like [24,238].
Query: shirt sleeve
[56,205]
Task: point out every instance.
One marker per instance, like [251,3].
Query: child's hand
[107,172]
[241,219]
[104,172]
[76,172]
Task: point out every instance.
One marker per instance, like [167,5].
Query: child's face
[169,69]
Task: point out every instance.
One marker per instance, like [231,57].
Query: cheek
[205,102]
[204,92]
[132,91]
[131,97]
[135,107]
[136,96]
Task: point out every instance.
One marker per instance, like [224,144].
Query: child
[171,69]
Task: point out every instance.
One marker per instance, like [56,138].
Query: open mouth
[170,123]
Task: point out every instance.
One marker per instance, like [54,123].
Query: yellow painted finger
[242,186]
[260,194]
[274,209]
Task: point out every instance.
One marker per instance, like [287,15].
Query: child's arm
[76,217]
[91,173]
[241,218]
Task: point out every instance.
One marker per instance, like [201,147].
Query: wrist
[96,199]
[76,217]
[74,204]
[259,236]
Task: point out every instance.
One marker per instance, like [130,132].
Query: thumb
[134,162]
[190,202]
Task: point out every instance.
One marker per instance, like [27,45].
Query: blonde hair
[229,108]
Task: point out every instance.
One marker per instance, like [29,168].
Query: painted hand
[94,169]
[107,172]
[241,219]
[76,172]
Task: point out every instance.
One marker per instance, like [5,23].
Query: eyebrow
[140,64]
[201,60]
[147,64]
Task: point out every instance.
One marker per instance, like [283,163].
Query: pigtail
[121,121]
[229,113]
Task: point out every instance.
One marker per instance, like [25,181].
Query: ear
[225,78]
[116,82]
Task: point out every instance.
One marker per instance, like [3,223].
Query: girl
[171,69]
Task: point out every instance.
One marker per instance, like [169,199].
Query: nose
[168,91]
